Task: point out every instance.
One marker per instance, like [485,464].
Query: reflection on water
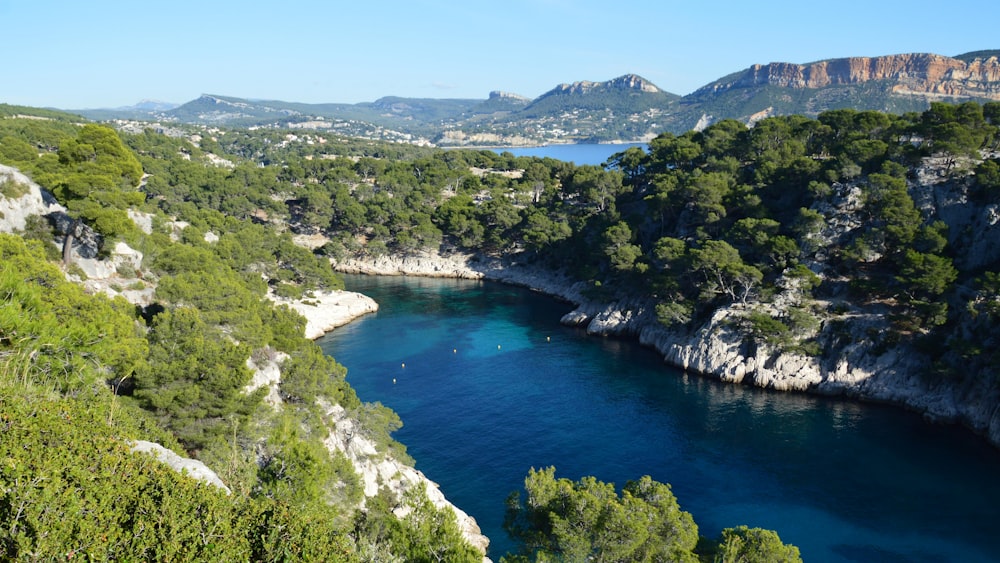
[493,386]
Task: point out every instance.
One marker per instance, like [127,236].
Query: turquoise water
[578,154]
[493,385]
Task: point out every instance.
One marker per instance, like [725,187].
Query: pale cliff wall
[327,310]
[916,74]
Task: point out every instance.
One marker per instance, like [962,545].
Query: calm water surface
[578,154]
[493,385]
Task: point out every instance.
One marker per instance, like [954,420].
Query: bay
[579,154]
[493,385]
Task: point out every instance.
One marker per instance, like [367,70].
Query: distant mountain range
[627,108]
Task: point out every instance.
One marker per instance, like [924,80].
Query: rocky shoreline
[325,311]
[378,470]
[716,350]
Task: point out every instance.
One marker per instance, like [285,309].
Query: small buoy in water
[498,346]
[548,339]
[454,350]
[393,380]
[402,365]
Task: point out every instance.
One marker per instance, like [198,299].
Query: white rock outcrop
[266,373]
[425,264]
[326,310]
[190,467]
[123,257]
[14,212]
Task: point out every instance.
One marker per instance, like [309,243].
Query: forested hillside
[848,213]
[220,218]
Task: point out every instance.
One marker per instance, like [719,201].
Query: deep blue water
[578,154]
[493,385]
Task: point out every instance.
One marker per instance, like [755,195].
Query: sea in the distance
[578,154]
[493,385]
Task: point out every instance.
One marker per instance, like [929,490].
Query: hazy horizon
[111,53]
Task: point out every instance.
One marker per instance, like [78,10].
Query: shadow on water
[493,386]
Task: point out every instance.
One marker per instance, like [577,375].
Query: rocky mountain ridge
[627,108]
[918,74]
[502,95]
[626,82]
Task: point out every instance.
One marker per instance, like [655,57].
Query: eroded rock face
[915,74]
[15,211]
[628,82]
[427,264]
[266,371]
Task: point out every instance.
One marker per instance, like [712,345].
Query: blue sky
[76,54]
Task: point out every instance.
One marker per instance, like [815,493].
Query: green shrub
[12,189]
[765,328]
[289,291]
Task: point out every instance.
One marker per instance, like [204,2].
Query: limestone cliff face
[717,350]
[926,75]
[14,211]
[191,467]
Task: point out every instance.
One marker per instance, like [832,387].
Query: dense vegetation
[796,224]
[586,520]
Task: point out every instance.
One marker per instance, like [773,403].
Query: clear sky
[77,54]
